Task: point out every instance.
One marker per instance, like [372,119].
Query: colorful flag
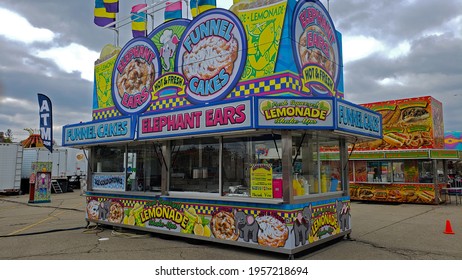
[139,20]
[46,121]
[112,6]
[102,17]
[205,5]
[173,10]
[194,8]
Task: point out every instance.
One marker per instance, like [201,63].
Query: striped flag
[112,6]
[205,5]
[102,17]
[173,10]
[139,20]
[194,8]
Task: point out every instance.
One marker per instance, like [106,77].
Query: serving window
[397,171]
[250,165]
[195,165]
[313,171]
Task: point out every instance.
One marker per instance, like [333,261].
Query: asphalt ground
[58,231]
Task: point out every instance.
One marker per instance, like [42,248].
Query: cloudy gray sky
[392,50]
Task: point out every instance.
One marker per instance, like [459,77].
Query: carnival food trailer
[410,164]
[221,139]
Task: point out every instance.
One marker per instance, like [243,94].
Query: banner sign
[356,119]
[98,132]
[46,121]
[208,119]
[306,113]
[108,182]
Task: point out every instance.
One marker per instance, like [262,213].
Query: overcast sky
[392,50]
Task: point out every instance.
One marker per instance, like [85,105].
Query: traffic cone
[448,229]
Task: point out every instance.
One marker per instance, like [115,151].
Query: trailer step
[56,187]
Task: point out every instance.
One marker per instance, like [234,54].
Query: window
[144,167]
[378,171]
[252,166]
[195,165]
[108,159]
[315,170]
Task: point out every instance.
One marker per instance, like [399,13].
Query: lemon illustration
[131,220]
[198,229]
[207,231]
[126,220]
[324,105]
[265,105]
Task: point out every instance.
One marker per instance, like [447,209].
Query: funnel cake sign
[212,55]
[315,48]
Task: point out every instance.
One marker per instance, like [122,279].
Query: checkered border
[281,83]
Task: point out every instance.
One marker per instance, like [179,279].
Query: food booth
[410,164]
[212,129]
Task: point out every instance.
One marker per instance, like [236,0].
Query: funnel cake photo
[209,56]
[272,232]
[223,226]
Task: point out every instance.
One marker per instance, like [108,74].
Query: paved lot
[57,230]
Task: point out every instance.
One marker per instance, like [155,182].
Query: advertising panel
[403,193]
[221,117]
[356,119]
[453,140]
[295,113]
[113,182]
[119,129]
[221,56]
[408,124]
[316,48]
[266,226]
[42,191]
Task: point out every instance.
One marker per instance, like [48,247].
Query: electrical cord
[42,232]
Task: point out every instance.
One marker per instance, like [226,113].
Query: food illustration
[197,224]
[223,226]
[273,232]
[209,57]
[309,54]
[93,210]
[407,124]
[133,217]
[136,75]
[404,194]
[116,212]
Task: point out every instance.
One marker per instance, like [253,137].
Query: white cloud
[15,27]
[358,47]
[72,58]
[402,49]
[390,82]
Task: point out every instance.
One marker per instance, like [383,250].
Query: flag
[173,10]
[112,6]
[205,5]
[46,121]
[139,20]
[194,8]
[102,17]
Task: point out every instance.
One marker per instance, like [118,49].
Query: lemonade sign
[295,112]
[264,27]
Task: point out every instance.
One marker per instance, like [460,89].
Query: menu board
[261,180]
